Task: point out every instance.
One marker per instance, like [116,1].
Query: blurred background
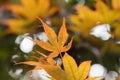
[18,20]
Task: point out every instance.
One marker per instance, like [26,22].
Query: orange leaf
[44,45]
[40,60]
[67,47]
[55,44]
[50,33]
[62,36]
[53,54]
[116,4]
[70,72]
[32,63]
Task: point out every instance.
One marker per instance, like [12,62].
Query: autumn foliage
[34,35]
[86,18]
[56,45]
[26,17]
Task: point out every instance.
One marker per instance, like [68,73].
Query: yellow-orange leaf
[56,72]
[18,26]
[116,4]
[56,45]
[67,47]
[28,3]
[87,18]
[70,72]
[53,79]
[50,33]
[70,66]
[53,54]
[62,36]
[26,14]
[32,63]
[44,45]
[38,7]
[101,7]
[83,70]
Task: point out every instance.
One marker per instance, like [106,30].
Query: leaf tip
[63,23]
[64,20]
[89,61]
[43,23]
[40,20]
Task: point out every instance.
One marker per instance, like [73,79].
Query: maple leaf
[87,18]
[34,8]
[26,15]
[48,65]
[55,44]
[70,71]
[74,72]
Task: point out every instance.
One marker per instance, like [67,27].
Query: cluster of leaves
[26,17]
[83,21]
[86,18]
[56,46]
[101,13]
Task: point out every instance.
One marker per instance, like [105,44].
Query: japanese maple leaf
[71,70]
[75,72]
[49,65]
[55,44]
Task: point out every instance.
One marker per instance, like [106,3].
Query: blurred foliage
[86,18]
[24,21]
[20,16]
